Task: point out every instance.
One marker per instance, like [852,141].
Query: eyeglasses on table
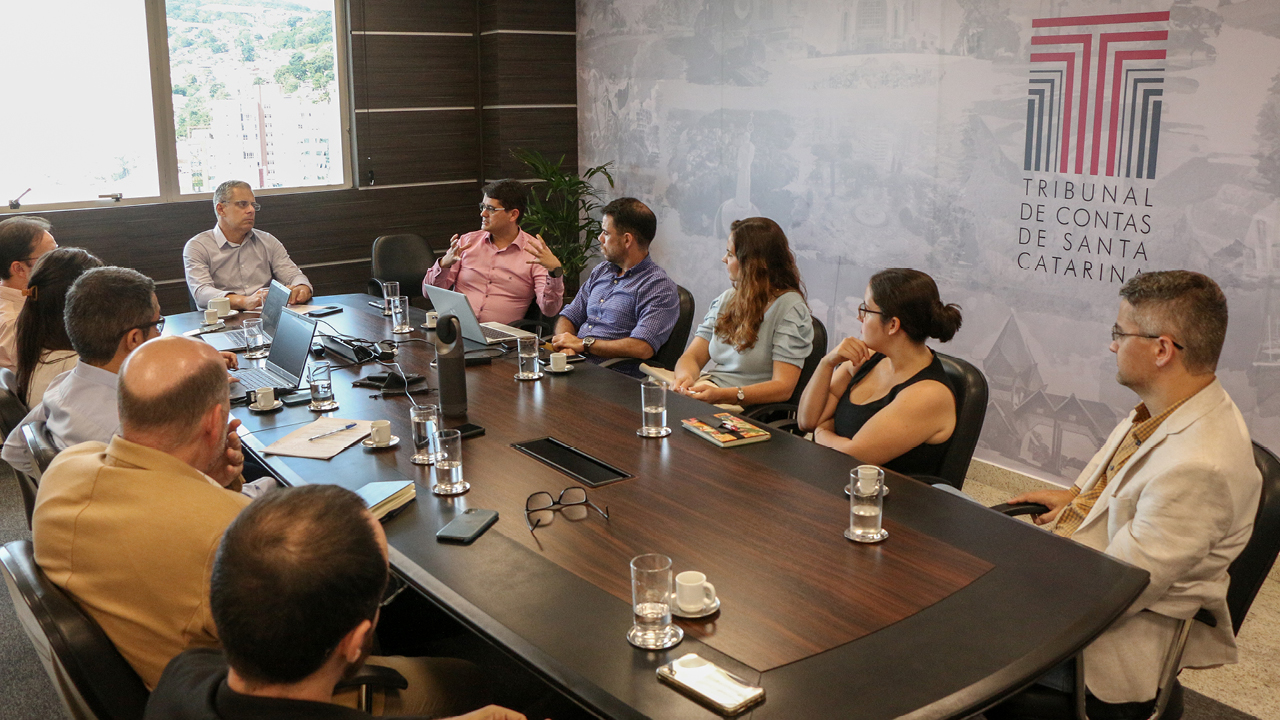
[540,508]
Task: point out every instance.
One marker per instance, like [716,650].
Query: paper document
[296,443]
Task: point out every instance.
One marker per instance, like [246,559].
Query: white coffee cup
[693,592]
[433,317]
[266,399]
[380,432]
[222,305]
[210,317]
[559,362]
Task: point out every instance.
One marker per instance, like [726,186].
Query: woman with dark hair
[44,350]
[884,398]
[758,332]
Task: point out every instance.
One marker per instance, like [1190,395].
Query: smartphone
[327,310]
[298,398]
[469,430]
[711,684]
[544,357]
[468,526]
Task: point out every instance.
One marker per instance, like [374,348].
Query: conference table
[957,609]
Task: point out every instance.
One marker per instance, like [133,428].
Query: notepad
[297,444]
[385,498]
[725,430]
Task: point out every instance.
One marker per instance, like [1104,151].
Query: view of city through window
[255,93]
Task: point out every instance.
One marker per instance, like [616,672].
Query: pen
[331,432]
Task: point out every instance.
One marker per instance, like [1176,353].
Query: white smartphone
[711,684]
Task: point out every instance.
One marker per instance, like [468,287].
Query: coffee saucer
[848,491]
[709,609]
[278,404]
[230,313]
[567,369]
[368,442]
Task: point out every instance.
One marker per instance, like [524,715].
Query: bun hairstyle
[912,297]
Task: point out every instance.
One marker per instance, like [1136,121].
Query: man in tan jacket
[129,529]
[1174,491]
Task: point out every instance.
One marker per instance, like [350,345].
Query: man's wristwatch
[741,395]
[587,342]
[558,272]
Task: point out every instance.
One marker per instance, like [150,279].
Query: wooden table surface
[959,607]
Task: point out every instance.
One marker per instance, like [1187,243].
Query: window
[231,67]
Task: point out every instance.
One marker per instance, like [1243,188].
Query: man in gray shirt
[235,261]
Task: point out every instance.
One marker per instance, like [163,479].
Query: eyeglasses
[1116,334]
[245,204]
[540,508]
[863,310]
[490,208]
[157,324]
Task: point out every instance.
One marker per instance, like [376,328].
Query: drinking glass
[527,350]
[653,406]
[322,388]
[426,421]
[448,469]
[390,289]
[651,603]
[255,340]
[400,315]
[866,505]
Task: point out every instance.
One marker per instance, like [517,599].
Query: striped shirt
[641,303]
[1144,426]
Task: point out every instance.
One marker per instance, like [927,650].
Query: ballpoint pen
[331,432]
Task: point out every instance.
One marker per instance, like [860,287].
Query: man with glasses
[501,268]
[23,240]
[235,261]
[110,311]
[1173,491]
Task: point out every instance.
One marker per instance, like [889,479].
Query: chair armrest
[542,328]
[768,410]
[374,676]
[618,361]
[1021,509]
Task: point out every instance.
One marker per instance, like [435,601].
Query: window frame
[166,132]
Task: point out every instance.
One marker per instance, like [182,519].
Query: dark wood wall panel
[401,71]
[520,69]
[413,15]
[551,131]
[411,147]
[553,15]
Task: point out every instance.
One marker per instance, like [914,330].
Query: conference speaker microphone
[451,367]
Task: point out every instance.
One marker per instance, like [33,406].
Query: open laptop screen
[291,344]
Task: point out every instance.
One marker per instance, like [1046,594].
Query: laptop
[272,306]
[475,333]
[288,359]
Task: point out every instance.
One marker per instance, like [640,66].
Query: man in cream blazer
[1174,490]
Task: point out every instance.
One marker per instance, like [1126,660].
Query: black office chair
[970,386]
[673,348]
[782,415]
[537,323]
[405,259]
[1247,573]
[12,408]
[91,677]
[40,446]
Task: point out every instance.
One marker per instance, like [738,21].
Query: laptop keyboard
[235,336]
[254,378]
[495,334]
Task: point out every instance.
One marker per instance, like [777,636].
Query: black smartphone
[322,311]
[299,398]
[469,430]
[468,526]
[544,357]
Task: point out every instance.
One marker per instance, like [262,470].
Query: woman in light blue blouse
[757,334]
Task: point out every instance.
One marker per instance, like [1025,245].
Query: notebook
[725,430]
[272,306]
[386,498]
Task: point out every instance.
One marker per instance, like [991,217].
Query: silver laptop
[448,302]
[288,359]
[272,306]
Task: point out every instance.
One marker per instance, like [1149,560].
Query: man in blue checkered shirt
[628,306]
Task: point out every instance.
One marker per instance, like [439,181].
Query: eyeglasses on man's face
[1117,333]
[863,310]
[540,508]
[246,204]
[485,207]
[146,327]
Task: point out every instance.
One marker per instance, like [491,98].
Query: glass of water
[448,469]
[653,406]
[651,603]
[866,505]
[390,289]
[255,340]
[322,388]
[400,315]
[527,350]
[426,422]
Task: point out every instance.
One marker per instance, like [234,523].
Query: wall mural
[1031,155]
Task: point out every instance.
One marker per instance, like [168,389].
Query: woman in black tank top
[884,398]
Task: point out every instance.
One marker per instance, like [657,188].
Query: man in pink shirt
[501,268]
